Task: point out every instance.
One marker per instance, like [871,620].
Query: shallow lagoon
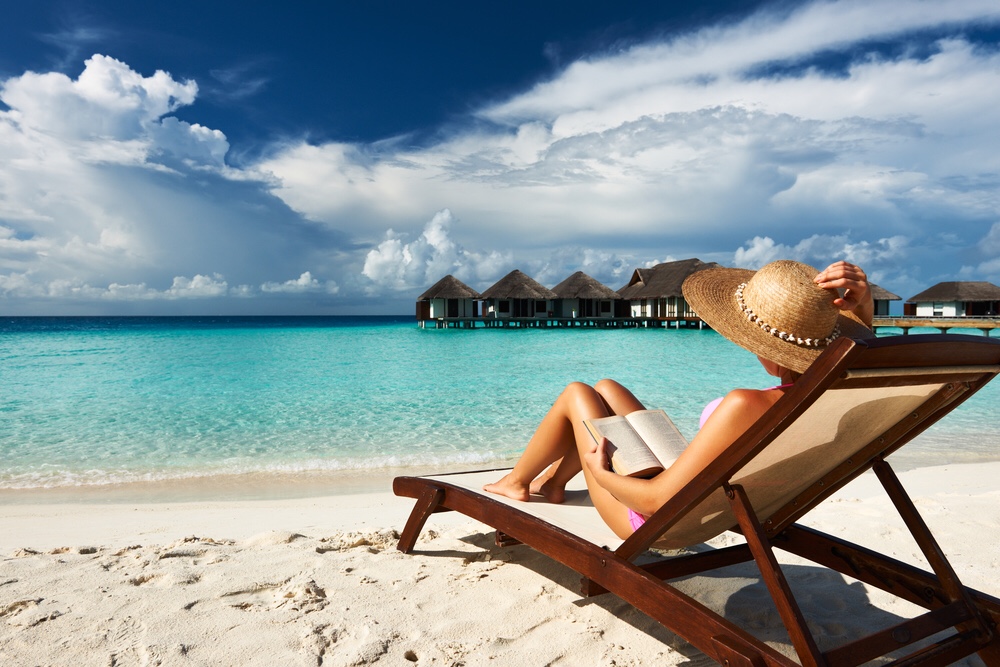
[108,400]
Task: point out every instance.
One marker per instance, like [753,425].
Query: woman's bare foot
[543,485]
[508,487]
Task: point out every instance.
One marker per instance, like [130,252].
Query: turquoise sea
[103,401]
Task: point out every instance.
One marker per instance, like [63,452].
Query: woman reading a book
[785,313]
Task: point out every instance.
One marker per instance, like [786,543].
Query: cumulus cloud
[888,258]
[199,287]
[107,100]
[989,266]
[395,264]
[990,244]
[62,139]
[820,249]
[304,283]
[182,287]
[106,197]
[110,113]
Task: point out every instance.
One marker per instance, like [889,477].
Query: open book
[641,443]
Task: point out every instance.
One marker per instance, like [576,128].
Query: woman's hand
[597,459]
[856,295]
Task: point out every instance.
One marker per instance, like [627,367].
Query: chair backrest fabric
[839,424]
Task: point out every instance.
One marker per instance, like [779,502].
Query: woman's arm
[857,295]
[737,412]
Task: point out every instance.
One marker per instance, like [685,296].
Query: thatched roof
[881,294]
[449,287]
[663,280]
[959,291]
[581,286]
[517,285]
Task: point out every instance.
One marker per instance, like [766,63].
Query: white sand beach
[318,581]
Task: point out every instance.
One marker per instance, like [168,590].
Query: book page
[659,433]
[629,455]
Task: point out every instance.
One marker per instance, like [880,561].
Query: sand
[318,581]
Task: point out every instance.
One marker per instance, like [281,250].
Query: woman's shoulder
[736,411]
[751,398]
[741,404]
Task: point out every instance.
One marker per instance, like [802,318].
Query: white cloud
[989,268]
[714,66]
[62,141]
[22,285]
[304,283]
[99,187]
[108,101]
[198,287]
[397,265]
[990,244]
[821,250]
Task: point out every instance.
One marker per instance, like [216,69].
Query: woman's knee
[612,391]
[576,389]
[618,398]
[608,386]
[580,396]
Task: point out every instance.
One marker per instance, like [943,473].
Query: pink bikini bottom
[635,519]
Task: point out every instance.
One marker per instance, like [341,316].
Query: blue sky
[339,158]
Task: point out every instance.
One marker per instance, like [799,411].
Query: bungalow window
[503,307]
[605,306]
[540,307]
[938,309]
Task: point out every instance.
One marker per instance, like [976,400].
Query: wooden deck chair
[858,403]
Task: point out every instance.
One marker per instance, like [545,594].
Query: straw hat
[777,312]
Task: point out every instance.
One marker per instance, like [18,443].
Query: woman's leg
[552,483]
[553,440]
[560,442]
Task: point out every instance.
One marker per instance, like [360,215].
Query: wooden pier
[942,324]
[563,323]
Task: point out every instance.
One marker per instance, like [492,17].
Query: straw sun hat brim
[712,295]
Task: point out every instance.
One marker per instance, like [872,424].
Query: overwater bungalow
[448,302]
[882,297]
[581,296]
[517,297]
[955,299]
[655,293]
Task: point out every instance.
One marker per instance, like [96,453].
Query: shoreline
[277,485]
[232,487]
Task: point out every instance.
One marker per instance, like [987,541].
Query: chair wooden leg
[946,574]
[774,578]
[429,500]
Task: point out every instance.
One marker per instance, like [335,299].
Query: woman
[785,313]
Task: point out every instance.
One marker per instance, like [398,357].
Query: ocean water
[101,401]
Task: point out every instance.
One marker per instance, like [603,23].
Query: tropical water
[103,401]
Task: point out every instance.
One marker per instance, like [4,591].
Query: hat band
[790,338]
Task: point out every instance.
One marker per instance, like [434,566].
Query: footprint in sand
[30,612]
[126,642]
[331,646]
[375,541]
[299,595]
[166,579]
